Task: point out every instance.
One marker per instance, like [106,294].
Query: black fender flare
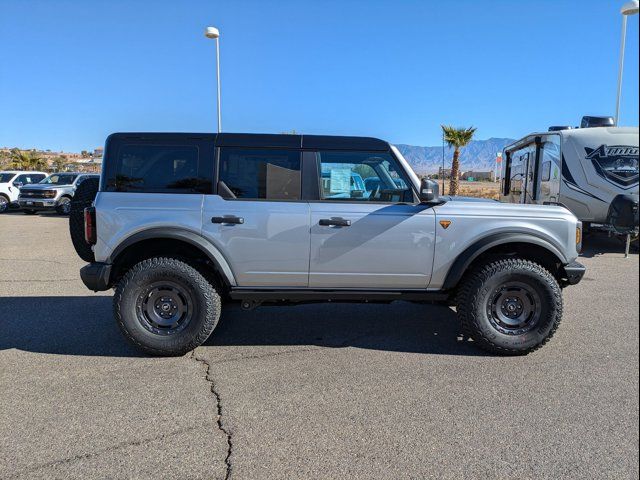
[188,236]
[461,264]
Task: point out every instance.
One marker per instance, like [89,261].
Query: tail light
[90,234]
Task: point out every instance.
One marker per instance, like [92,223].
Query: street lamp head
[213,32]
[630,8]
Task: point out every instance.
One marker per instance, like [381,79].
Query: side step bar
[252,297]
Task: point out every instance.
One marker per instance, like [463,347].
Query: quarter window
[259,174]
[362,177]
[158,168]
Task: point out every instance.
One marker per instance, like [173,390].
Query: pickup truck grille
[25,193]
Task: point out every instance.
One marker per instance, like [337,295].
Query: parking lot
[314,391]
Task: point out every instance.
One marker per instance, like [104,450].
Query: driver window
[362,177]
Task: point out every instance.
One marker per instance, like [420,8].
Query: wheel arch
[163,242]
[525,244]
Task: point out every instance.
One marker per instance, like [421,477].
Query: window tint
[546,171]
[259,174]
[517,171]
[362,176]
[59,179]
[27,178]
[157,168]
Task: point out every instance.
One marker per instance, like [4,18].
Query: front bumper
[38,204]
[573,273]
[96,276]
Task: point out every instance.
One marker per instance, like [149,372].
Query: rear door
[366,229]
[550,168]
[257,217]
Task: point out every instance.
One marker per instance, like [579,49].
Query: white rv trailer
[591,171]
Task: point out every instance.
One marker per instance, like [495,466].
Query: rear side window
[158,168]
[259,174]
[28,178]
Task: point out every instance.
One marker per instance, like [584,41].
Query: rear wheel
[510,306]
[165,306]
[4,203]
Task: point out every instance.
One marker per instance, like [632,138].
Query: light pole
[629,8]
[213,32]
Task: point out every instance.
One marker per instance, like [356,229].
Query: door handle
[335,222]
[228,220]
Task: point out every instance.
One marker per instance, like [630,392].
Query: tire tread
[469,295]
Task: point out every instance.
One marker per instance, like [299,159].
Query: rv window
[546,171]
[518,172]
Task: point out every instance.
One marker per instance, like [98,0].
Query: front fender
[462,262]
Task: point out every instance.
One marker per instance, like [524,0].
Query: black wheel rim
[3,204]
[164,308]
[514,308]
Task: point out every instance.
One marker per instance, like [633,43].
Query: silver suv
[183,223]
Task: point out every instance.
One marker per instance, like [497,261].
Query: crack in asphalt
[34,260]
[85,456]
[267,355]
[220,423]
[40,280]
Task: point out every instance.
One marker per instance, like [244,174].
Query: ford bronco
[182,223]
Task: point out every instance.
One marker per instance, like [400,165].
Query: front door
[257,218]
[366,229]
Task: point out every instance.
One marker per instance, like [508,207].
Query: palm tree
[58,164]
[456,138]
[26,160]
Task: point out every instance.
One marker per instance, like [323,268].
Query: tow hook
[250,304]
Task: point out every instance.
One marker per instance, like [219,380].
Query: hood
[498,209]
[42,186]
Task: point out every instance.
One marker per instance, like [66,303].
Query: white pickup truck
[10,183]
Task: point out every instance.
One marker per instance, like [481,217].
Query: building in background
[479,176]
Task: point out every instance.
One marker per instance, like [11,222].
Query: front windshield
[59,179]
[6,177]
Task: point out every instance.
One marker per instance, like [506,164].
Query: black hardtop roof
[329,142]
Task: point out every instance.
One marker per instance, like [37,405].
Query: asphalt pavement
[313,391]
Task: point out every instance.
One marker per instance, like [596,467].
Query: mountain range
[478,155]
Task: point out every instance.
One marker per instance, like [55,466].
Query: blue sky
[73,71]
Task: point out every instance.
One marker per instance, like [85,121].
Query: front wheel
[64,206]
[510,306]
[4,204]
[165,306]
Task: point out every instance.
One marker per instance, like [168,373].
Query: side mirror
[429,191]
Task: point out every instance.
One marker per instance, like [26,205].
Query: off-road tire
[133,286]
[474,310]
[84,196]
